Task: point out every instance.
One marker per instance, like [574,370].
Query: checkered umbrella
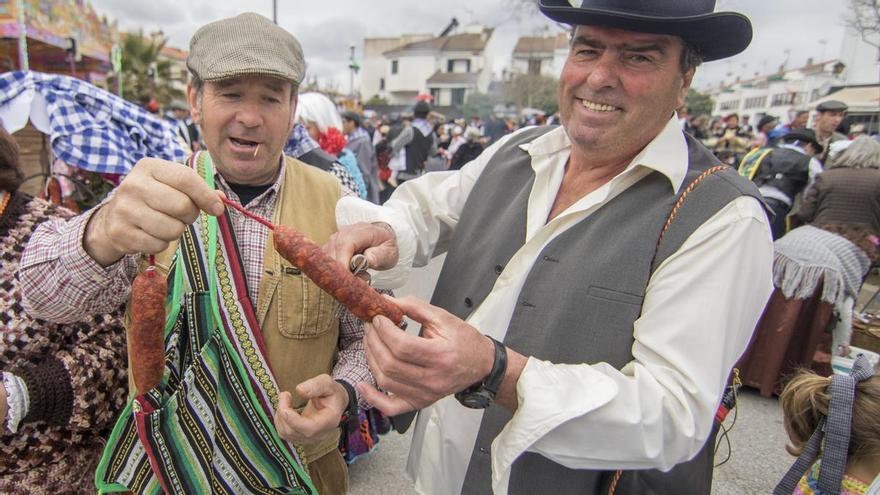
[88,127]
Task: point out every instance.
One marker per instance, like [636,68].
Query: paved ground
[757,460]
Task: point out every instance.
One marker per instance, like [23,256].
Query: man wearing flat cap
[601,277]
[259,367]
[829,115]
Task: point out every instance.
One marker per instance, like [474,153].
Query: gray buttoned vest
[581,297]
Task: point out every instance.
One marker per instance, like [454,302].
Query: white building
[544,55]
[782,93]
[449,67]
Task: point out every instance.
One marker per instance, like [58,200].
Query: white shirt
[699,310]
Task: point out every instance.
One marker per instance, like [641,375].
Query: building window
[728,105]
[458,65]
[781,99]
[755,102]
[534,67]
[394,66]
[381,84]
[435,94]
[458,96]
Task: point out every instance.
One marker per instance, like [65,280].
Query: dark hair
[10,175]
[690,57]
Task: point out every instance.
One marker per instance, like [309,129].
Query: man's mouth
[598,107]
[244,143]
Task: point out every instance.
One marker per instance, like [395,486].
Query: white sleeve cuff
[549,394]
[350,210]
[17,401]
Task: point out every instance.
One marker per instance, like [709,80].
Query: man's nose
[603,73]
[249,115]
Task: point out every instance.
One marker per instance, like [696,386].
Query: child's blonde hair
[805,401]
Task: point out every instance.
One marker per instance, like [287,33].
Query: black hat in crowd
[804,135]
[421,106]
[716,35]
[352,117]
[832,106]
[764,121]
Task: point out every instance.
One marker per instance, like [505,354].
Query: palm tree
[144,74]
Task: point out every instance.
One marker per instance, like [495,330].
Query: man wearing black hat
[784,172]
[570,347]
[829,115]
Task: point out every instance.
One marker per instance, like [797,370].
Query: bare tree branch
[865,20]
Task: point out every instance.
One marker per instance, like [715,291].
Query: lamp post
[353,69]
[275,11]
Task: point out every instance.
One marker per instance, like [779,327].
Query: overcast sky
[326,29]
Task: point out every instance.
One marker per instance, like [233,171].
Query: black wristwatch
[482,394]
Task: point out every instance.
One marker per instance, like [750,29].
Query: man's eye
[639,59]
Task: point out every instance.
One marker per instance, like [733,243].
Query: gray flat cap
[832,106]
[247,44]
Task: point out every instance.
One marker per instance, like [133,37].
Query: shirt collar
[667,153]
[267,195]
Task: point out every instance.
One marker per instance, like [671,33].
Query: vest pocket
[304,309]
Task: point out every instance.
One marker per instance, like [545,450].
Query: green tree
[698,103]
[533,91]
[144,74]
[479,105]
[376,100]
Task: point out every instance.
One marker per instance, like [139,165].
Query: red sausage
[334,278]
[146,341]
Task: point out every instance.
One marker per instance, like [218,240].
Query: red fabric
[332,141]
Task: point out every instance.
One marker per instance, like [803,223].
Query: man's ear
[686,80]
[192,98]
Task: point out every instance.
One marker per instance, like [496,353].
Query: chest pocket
[304,309]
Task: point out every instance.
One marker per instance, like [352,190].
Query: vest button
[468,302]
[498,269]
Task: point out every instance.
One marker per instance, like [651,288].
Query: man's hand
[327,400]
[376,241]
[418,371]
[149,209]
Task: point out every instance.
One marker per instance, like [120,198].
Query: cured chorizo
[352,292]
[146,340]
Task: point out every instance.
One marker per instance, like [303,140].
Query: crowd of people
[605,272]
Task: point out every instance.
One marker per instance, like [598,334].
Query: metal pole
[23,63]
[275,11]
[351,73]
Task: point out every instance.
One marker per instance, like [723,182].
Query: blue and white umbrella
[88,127]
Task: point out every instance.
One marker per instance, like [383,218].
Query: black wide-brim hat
[716,35]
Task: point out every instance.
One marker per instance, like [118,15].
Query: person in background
[358,141]
[829,115]
[62,385]
[319,116]
[799,119]
[765,126]
[186,128]
[846,412]
[783,173]
[468,151]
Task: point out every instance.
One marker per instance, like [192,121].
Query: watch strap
[493,381]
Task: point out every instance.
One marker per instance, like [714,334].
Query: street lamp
[353,68]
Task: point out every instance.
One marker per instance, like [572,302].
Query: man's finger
[381,358]
[419,310]
[187,181]
[319,386]
[403,346]
[389,405]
